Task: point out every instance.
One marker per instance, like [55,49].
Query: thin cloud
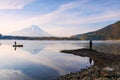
[66,16]
[73,17]
[14,4]
[86,14]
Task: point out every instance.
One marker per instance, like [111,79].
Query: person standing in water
[90,45]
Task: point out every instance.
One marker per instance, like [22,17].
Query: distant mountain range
[110,32]
[32,31]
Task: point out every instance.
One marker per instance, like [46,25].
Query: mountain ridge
[110,32]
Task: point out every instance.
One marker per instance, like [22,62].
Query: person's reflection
[15,48]
[90,61]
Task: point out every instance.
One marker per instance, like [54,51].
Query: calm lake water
[42,60]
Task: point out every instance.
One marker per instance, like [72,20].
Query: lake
[42,60]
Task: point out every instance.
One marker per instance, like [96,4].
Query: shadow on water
[108,48]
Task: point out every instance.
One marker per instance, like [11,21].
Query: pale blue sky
[58,17]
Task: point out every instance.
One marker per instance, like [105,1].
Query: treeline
[36,38]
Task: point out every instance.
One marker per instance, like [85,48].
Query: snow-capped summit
[34,28]
[32,31]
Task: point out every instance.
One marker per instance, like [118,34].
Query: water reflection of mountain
[33,49]
[36,47]
[109,48]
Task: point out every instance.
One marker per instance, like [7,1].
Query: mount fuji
[32,31]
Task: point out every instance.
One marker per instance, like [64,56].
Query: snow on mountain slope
[32,31]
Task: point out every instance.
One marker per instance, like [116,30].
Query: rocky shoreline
[106,66]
